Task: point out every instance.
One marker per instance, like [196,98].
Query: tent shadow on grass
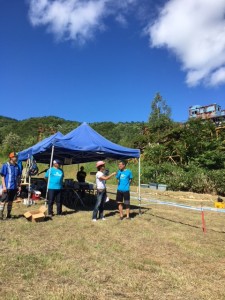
[17,217]
[111,207]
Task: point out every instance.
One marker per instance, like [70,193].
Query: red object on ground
[203,222]
[36,196]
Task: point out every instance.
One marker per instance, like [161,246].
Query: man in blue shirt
[11,175]
[55,177]
[124,177]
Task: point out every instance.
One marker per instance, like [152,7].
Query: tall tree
[159,109]
[159,119]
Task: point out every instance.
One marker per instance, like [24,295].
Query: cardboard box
[36,215]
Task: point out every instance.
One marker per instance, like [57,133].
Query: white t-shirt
[100,182]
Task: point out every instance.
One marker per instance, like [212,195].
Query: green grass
[162,254]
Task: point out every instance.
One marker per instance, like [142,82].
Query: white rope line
[174,204]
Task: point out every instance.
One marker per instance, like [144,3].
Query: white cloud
[71,19]
[77,20]
[218,77]
[195,31]
[121,19]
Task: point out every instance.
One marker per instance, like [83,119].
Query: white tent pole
[50,166]
[139,184]
[29,191]
[29,181]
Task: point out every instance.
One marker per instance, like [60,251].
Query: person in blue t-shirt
[124,177]
[11,176]
[55,177]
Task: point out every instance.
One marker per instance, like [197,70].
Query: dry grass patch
[162,254]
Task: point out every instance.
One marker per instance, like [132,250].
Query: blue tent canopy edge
[39,147]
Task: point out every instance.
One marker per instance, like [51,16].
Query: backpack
[33,169]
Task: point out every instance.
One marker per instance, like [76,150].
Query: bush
[190,178]
[217,177]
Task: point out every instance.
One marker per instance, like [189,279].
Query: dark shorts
[123,197]
[9,196]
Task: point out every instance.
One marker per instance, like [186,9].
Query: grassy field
[162,254]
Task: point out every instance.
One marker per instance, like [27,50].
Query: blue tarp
[84,144]
[39,147]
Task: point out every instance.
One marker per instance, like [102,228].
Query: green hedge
[190,178]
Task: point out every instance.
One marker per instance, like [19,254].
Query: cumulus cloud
[195,31]
[77,20]
[71,19]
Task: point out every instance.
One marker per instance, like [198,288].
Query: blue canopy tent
[83,144]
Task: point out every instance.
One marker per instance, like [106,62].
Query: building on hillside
[212,112]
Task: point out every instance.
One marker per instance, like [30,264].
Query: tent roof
[39,147]
[84,144]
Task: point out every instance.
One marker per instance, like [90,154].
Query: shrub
[217,177]
[190,178]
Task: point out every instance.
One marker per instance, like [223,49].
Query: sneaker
[103,219]
[121,218]
[9,216]
[94,220]
[128,218]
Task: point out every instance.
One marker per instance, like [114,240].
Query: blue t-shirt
[124,178]
[12,174]
[56,178]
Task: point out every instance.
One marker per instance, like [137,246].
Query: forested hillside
[22,134]
[188,156]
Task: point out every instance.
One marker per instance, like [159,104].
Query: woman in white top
[101,190]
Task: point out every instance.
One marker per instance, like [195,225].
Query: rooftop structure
[211,111]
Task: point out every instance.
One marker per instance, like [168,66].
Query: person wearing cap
[55,183]
[11,176]
[124,177]
[101,190]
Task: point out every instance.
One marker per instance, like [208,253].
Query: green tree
[159,120]
[160,111]
[12,142]
[197,139]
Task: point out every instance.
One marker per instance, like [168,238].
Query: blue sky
[100,60]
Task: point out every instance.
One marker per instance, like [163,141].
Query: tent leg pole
[49,175]
[29,183]
[29,191]
[139,184]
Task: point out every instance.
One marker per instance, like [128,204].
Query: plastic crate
[162,187]
[153,186]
